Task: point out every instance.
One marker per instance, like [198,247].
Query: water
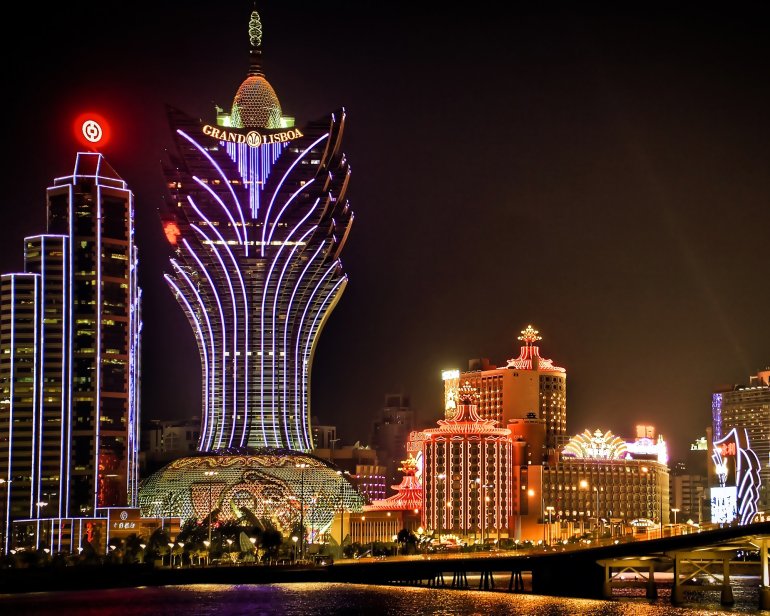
[347,599]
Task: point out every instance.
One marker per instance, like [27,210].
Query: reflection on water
[345,599]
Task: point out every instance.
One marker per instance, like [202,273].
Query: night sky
[603,177]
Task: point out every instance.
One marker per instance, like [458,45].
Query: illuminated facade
[280,486]
[527,384]
[735,493]
[747,407]
[69,335]
[257,219]
[466,473]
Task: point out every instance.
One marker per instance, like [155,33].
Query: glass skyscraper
[257,219]
[69,353]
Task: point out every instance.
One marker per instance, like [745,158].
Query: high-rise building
[69,342]
[257,219]
[527,384]
[466,473]
[747,407]
[390,434]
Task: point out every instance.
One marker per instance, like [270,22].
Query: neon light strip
[245,325]
[70,302]
[235,333]
[224,339]
[37,429]
[275,309]
[298,364]
[64,406]
[224,207]
[262,317]
[280,184]
[12,380]
[202,341]
[286,346]
[274,224]
[227,182]
[310,338]
[97,398]
[209,404]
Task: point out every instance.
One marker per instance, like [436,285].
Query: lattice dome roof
[256,104]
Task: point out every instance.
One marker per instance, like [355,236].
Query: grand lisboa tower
[257,218]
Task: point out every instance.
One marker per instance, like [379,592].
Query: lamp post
[170,553]
[342,507]
[4,536]
[302,466]
[294,552]
[674,510]
[210,475]
[550,510]
[230,549]
[208,551]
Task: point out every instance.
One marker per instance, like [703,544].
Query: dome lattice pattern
[256,105]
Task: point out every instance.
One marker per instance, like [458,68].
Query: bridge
[585,573]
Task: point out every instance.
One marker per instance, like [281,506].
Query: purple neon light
[224,339]
[207,431]
[235,329]
[224,177]
[224,207]
[274,224]
[311,335]
[203,344]
[296,346]
[285,342]
[283,179]
[262,328]
[287,261]
[245,321]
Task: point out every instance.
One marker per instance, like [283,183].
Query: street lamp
[295,539]
[4,537]
[674,510]
[550,510]
[170,553]
[208,545]
[210,475]
[342,506]
[302,466]
[584,486]
[230,549]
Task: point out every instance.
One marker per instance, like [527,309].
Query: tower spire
[255,42]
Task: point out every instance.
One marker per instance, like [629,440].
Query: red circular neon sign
[91,130]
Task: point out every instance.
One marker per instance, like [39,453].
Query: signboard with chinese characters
[724,505]
[451,380]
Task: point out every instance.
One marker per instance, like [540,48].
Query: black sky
[604,177]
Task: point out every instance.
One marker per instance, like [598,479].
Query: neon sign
[171,230]
[91,130]
[253,138]
[736,467]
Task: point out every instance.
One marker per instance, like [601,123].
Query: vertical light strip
[34,496]
[246,315]
[65,312]
[234,362]
[12,379]
[70,256]
[223,327]
[202,341]
[221,203]
[98,390]
[273,406]
[286,264]
[311,339]
[227,182]
[299,363]
[274,224]
[208,430]
[280,184]
[289,320]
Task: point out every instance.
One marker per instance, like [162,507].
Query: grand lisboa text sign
[252,138]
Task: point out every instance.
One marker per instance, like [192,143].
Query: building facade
[747,407]
[69,368]
[390,434]
[257,220]
[527,384]
[466,473]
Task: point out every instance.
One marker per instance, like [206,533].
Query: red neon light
[727,449]
[91,130]
[172,232]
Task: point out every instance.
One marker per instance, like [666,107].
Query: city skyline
[602,178]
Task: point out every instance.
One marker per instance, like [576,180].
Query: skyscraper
[257,219]
[747,407]
[69,342]
[527,384]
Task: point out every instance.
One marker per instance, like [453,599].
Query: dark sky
[604,177]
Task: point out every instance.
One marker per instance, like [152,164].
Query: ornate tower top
[255,29]
[530,335]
